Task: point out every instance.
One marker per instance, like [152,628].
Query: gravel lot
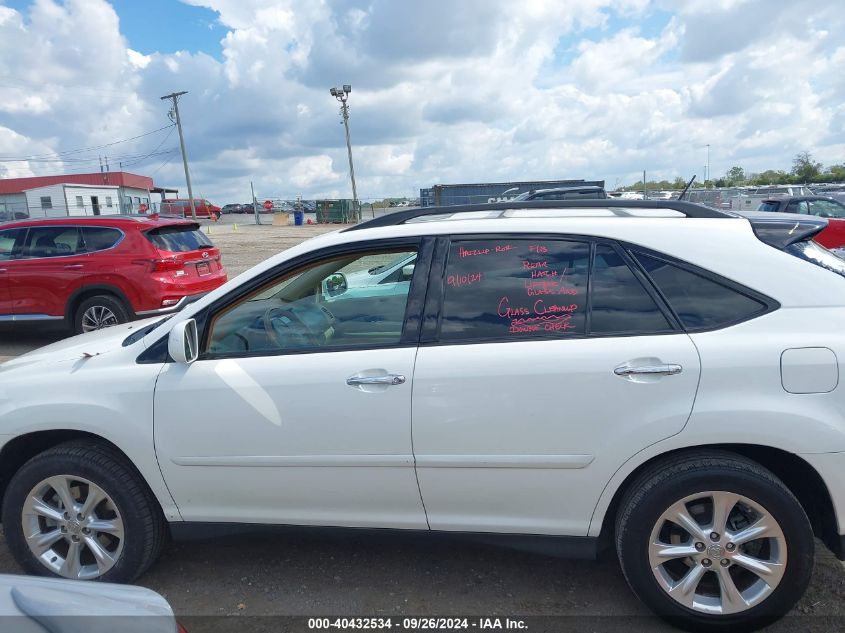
[296,572]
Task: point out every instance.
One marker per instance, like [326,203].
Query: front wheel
[80,511]
[714,542]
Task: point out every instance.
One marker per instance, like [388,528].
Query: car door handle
[652,370]
[73,266]
[389,379]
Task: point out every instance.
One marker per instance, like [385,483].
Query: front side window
[52,241]
[46,202]
[700,303]
[515,289]
[331,304]
[8,240]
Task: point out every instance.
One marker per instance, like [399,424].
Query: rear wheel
[96,313]
[714,542]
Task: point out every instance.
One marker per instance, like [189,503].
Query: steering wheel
[285,333]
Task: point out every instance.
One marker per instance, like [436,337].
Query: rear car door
[51,266]
[546,365]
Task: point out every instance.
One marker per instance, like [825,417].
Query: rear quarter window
[701,303]
[99,238]
[179,239]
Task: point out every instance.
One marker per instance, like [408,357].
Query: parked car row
[95,272]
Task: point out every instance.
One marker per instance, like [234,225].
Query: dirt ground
[305,573]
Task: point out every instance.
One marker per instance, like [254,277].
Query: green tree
[804,168]
[735,175]
[770,177]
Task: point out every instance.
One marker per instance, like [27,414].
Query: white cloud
[442,91]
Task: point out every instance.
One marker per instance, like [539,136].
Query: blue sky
[164,26]
[443,90]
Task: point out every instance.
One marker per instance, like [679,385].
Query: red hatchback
[93,272]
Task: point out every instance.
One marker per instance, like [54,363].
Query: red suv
[203,208]
[93,272]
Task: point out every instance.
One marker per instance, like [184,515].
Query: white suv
[653,376]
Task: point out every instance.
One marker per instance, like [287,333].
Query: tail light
[167,265]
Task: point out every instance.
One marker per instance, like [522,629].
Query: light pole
[175,114]
[342,95]
[707,173]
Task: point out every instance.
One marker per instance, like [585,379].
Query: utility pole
[342,94]
[175,112]
[707,173]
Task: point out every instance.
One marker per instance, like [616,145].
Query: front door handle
[73,266]
[651,370]
[389,379]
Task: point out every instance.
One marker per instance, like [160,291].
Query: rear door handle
[73,266]
[652,370]
[389,379]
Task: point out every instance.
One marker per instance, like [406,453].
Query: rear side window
[99,238]
[515,289]
[699,302]
[773,206]
[179,239]
[52,241]
[619,302]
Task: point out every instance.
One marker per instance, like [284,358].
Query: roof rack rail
[689,209]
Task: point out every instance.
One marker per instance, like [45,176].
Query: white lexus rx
[652,376]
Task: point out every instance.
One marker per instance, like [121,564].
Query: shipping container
[480,193]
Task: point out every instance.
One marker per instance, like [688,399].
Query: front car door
[50,266]
[298,410]
[10,243]
[549,363]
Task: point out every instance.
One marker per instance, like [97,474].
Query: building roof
[74,184]
[116,178]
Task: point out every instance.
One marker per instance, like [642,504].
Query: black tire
[108,302]
[677,478]
[143,522]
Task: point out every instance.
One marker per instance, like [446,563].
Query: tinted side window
[52,241]
[98,238]
[792,207]
[700,303]
[515,289]
[619,302]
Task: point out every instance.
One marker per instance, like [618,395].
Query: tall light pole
[707,173]
[174,113]
[342,94]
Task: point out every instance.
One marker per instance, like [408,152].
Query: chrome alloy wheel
[98,317]
[717,552]
[72,527]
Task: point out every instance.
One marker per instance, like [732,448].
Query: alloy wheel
[717,552]
[72,527]
[98,317]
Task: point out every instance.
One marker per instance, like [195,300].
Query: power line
[153,153]
[82,149]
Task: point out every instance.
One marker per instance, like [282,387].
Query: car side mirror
[183,342]
[407,272]
[335,284]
